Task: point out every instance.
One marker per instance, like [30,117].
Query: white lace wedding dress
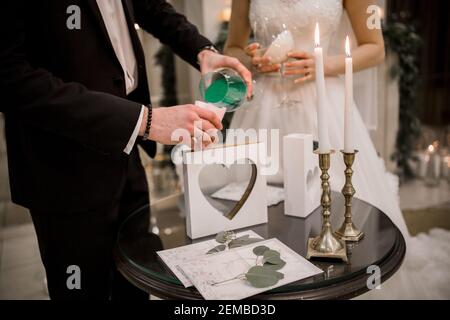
[264,112]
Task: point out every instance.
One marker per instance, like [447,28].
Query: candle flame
[347,47]
[317,35]
[431,148]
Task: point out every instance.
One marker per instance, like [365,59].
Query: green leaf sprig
[265,273]
[228,240]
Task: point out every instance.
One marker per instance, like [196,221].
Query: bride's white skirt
[425,272]
[264,112]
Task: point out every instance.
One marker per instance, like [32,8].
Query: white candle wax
[423,164]
[349,146]
[437,165]
[322,120]
[446,167]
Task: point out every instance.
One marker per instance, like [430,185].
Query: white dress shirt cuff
[134,136]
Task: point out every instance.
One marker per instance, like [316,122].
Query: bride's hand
[260,63]
[304,66]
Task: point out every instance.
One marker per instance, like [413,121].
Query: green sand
[229,94]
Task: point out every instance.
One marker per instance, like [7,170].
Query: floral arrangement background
[403,40]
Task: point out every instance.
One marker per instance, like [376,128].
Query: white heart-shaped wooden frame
[200,221]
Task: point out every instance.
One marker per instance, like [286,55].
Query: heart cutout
[228,188]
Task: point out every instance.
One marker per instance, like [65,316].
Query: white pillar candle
[322,120]
[435,158]
[446,167]
[437,164]
[433,169]
[424,158]
[349,146]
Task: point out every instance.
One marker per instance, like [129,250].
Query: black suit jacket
[67,117]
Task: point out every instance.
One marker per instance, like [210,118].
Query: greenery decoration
[403,39]
[265,273]
[228,240]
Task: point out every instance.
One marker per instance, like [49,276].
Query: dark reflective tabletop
[142,234]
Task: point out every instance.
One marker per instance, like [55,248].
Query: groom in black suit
[74,93]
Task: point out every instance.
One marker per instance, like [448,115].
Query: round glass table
[162,226]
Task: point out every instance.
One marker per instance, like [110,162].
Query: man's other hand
[185,123]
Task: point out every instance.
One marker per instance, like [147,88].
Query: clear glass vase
[224,88]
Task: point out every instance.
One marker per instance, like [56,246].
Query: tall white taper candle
[322,117]
[349,146]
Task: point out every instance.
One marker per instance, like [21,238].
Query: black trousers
[86,241]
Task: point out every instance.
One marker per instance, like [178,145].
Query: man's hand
[187,122]
[210,61]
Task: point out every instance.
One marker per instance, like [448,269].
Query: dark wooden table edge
[347,289]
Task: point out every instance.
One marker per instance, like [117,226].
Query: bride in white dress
[269,110]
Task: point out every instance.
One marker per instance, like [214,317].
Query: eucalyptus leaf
[279,275]
[217,249]
[259,251]
[260,277]
[275,267]
[242,238]
[236,243]
[221,237]
[272,257]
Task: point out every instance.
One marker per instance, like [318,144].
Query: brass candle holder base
[348,231]
[335,250]
[326,245]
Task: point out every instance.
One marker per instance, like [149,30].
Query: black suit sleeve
[100,121]
[173,29]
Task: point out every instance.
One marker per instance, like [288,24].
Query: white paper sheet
[174,257]
[207,270]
